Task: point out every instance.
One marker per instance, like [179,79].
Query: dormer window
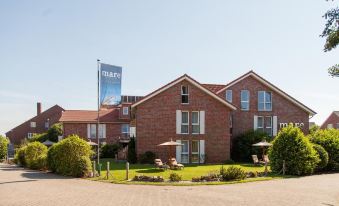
[125,111]
[184,95]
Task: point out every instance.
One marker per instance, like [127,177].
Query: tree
[3,147]
[331,33]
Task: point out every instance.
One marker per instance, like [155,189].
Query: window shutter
[178,116]
[132,132]
[202,151]
[88,131]
[178,152]
[275,125]
[255,122]
[202,122]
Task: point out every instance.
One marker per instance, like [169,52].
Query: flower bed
[144,178]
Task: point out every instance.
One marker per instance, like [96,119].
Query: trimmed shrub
[147,158]
[232,173]
[175,177]
[54,132]
[109,150]
[329,140]
[35,155]
[70,157]
[132,155]
[144,178]
[323,156]
[3,147]
[292,146]
[242,148]
[19,157]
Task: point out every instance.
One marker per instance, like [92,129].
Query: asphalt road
[25,187]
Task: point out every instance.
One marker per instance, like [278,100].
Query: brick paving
[26,187]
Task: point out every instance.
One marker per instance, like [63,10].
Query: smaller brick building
[38,124]
[332,121]
[114,124]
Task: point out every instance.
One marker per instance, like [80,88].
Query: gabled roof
[190,80]
[91,116]
[333,113]
[336,113]
[214,87]
[271,86]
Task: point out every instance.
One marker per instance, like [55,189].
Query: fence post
[107,172]
[127,170]
[284,167]
[93,168]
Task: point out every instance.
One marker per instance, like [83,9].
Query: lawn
[118,172]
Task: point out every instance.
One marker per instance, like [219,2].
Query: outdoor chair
[256,160]
[266,159]
[158,164]
[174,164]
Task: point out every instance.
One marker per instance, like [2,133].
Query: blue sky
[48,49]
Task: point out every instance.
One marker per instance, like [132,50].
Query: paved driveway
[26,187]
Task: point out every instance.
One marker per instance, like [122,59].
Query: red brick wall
[113,131]
[20,132]
[285,110]
[156,123]
[332,119]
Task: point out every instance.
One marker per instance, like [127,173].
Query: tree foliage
[3,147]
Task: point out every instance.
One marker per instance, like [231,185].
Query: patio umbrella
[48,143]
[170,144]
[262,144]
[92,143]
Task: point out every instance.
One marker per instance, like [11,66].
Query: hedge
[70,157]
[292,146]
[35,155]
[329,140]
[19,157]
[323,156]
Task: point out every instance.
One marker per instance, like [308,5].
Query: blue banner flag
[110,84]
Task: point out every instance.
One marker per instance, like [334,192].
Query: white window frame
[30,135]
[182,94]
[262,128]
[229,92]
[125,110]
[329,126]
[47,125]
[271,127]
[264,102]
[195,153]
[185,153]
[33,124]
[185,124]
[245,101]
[196,123]
[101,131]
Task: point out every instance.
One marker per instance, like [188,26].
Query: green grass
[118,172]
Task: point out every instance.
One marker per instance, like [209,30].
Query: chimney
[38,108]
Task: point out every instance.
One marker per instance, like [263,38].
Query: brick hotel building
[202,117]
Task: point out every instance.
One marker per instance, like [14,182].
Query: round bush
[35,155]
[242,148]
[70,157]
[232,173]
[329,140]
[292,146]
[323,156]
[19,157]
[3,147]
[147,158]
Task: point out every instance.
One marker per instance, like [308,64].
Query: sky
[48,49]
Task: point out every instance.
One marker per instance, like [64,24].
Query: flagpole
[97,127]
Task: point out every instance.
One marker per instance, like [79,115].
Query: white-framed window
[264,101]
[125,129]
[329,126]
[229,95]
[47,124]
[195,122]
[195,151]
[33,124]
[184,122]
[30,135]
[125,111]
[264,124]
[185,151]
[93,131]
[184,95]
[245,100]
